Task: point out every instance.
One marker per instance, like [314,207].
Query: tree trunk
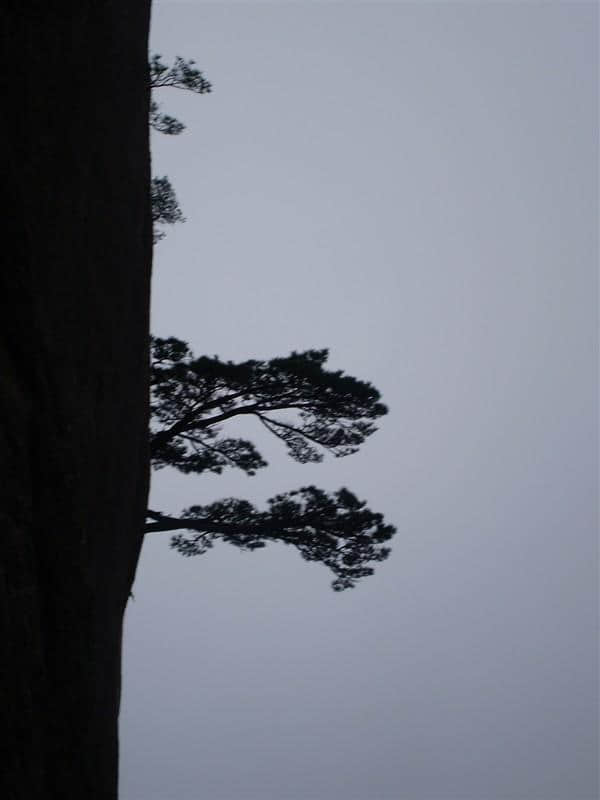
[74,291]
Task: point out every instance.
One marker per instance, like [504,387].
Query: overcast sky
[413,186]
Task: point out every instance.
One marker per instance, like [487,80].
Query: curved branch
[164,523]
[267,422]
[190,423]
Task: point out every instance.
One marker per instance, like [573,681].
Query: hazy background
[415,187]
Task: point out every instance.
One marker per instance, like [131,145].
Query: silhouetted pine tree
[312,411]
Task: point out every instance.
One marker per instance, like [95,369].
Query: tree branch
[188,422]
[164,523]
[267,422]
[210,447]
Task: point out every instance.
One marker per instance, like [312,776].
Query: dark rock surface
[74,295]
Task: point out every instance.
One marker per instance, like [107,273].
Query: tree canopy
[312,410]
[191,397]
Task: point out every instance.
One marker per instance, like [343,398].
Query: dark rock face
[74,295]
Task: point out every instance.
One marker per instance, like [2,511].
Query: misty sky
[413,186]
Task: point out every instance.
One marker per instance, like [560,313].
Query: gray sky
[413,186]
